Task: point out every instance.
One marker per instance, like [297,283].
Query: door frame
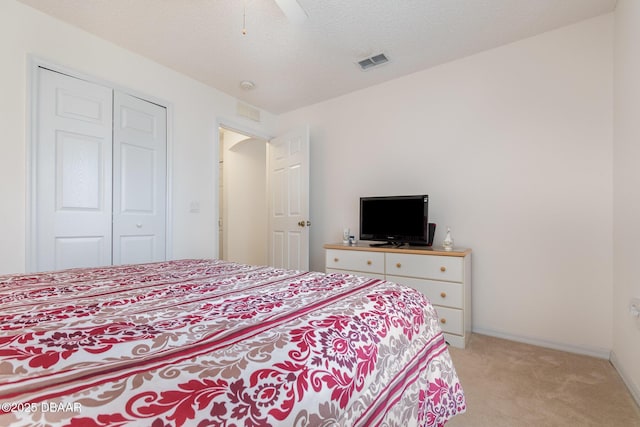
[35,62]
[234,126]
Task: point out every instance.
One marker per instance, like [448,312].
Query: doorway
[243,220]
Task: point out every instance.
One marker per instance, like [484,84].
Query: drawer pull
[398,265]
[443,320]
[336,260]
[443,268]
[368,262]
[443,294]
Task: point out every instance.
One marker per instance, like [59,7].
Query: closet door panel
[138,249]
[138,170]
[72,173]
[139,183]
[72,252]
[79,171]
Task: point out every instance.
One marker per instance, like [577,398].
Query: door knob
[301,223]
[139,225]
[304,223]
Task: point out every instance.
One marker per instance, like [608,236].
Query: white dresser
[443,276]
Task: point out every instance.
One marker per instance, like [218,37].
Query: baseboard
[633,388]
[600,353]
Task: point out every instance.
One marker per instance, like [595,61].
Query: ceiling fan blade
[292,10]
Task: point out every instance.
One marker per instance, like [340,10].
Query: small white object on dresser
[443,276]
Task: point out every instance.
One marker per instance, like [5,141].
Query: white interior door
[73,173]
[288,190]
[139,180]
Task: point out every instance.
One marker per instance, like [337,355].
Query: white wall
[514,146]
[626,207]
[196,111]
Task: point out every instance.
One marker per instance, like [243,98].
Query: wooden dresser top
[418,250]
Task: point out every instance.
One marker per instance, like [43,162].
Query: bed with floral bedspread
[214,343]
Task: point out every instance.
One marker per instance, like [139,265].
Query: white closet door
[73,173]
[139,180]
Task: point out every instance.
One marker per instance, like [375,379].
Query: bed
[215,343]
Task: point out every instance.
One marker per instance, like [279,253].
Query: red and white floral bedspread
[212,343]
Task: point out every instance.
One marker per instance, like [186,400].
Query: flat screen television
[396,220]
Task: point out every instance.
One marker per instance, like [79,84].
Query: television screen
[395,219]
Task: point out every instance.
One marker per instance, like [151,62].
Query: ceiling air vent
[248,111]
[373,61]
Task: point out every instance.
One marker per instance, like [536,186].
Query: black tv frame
[396,235]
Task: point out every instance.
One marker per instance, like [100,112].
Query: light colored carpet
[512,384]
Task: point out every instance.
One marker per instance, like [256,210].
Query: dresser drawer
[451,320]
[446,294]
[367,262]
[434,267]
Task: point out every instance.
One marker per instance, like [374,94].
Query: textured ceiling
[293,65]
